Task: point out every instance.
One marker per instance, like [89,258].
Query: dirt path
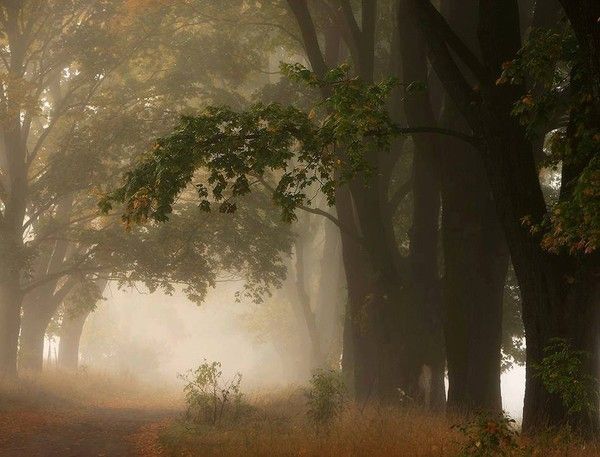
[92,432]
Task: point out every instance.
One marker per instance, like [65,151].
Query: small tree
[326,397]
[208,397]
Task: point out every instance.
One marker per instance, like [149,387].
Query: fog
[156,337]
[161,336]
[299,227]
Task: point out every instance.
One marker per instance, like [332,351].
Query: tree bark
[10,320]
[31,341]
[359,351]
[475,257]
[331,295]
[374,302]
[303,301]
[424,235]
[550,301]
[70,336]
[12,256]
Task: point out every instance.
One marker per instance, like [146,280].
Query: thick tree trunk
[306,314]
[549,301]
[475,265]
[70,336]
[31,342]
[384,302]
[10,321]
[359,352]
[331,295]
[424,234]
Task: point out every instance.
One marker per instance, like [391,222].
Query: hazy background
[142,335]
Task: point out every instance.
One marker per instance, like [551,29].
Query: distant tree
[72,119]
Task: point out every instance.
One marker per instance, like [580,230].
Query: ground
[92,432]
[83,415]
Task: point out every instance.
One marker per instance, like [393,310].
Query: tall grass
[278,426]
[273,424]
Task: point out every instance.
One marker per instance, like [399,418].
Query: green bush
[489,436]
[563,372]
[325,398]
[209,398]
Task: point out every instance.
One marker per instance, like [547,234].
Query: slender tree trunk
[372,276]
[12,255]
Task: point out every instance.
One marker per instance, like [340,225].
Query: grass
[273,424]
[278,426]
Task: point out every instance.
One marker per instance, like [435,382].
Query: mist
[299,227]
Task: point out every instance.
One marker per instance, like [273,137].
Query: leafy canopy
[237,149]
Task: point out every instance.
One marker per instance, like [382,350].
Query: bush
[489,436]
[210,399]
[563,372]
[326,397]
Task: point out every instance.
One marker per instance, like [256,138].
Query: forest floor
[83,415]
[88,415]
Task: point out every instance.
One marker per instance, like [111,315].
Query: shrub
[489,436]
[326,397]
[210,399]
[562,371]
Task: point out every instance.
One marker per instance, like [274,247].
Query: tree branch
[351,23]
[309,36]
[437,23]
[317,211]
[472,140]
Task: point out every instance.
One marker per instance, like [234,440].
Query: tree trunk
[548,282]
[424,235]
[70,336]
[10,321]
[303,301]
[371,272]
[583,16]
[31,342]
[359,352]
[331,294]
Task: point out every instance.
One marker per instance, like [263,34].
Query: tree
[550,297]
[79,109]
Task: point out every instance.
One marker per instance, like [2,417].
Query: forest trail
[86,433]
